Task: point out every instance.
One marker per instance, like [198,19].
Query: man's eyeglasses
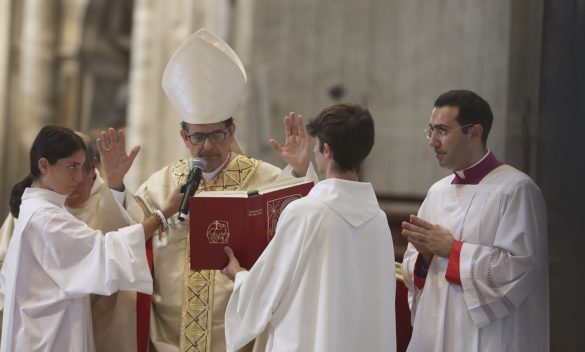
[442,131]
[198,138]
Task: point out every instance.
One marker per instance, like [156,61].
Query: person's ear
[184,137]
[93,163]
[43,165]
[476,132]
[327,151]
[232,131]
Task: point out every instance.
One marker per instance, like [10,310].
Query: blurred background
[93,64]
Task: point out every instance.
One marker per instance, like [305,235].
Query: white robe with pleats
[502,304]
[326,282]
[54,262]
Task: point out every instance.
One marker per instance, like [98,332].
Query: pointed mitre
[204,79]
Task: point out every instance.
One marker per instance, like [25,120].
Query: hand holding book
[233,266]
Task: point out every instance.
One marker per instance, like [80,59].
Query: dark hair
[52,143]
[348,129]
[473,109]
[227,123]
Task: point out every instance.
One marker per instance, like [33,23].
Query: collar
[46,194]
[476,172]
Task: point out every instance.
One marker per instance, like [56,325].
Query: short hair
[473,109]
[348,129]
[52,143]
[227,123]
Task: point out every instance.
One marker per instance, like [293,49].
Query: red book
[244,220]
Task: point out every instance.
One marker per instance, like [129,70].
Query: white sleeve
[119,196]
[408,263]
[257,293]
[82,260]
[311,174]
[496,279]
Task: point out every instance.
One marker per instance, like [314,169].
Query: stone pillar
[5,43]
[159,28]
[32,84]
[69,73]
[154,35]
[37,61]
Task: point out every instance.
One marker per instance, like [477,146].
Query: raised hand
[296,150]
[114,159]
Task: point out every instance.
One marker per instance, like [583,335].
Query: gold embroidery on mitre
[199,284]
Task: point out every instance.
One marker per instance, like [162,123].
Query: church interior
[94,64]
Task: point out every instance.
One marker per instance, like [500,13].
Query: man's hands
[115,162]
[428,239]
[296,150]
[233,266]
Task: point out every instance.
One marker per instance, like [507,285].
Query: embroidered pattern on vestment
[199,285]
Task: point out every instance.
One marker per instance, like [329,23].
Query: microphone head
[198,163]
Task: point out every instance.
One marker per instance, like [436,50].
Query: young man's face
[209,141]
[451,145]
[65,175]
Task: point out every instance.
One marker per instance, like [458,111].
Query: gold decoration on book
[274,209]
[218,232]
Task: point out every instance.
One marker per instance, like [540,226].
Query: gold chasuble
[188,307]
[198,304]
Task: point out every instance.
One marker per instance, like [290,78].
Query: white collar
[461,173]
[47,194]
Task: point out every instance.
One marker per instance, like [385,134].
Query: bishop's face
[210,141]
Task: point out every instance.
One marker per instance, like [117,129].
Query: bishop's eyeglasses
[441,131]
[215,137]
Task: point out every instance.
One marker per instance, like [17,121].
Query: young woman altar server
[55,261]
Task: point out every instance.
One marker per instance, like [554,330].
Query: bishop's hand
[296,150]
[114,159]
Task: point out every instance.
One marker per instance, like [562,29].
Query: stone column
[32,83]
[159,28]
[37,61]
[5,42]
[149,123]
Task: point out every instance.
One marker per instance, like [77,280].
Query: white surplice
[326,282]
[54,262]
[502,304]
[114,316]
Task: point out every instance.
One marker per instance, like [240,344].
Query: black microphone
[197,166]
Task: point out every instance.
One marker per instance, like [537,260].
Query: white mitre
[204,79]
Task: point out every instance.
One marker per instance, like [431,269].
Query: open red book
[244,220]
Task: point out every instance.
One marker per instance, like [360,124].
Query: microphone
[197,166]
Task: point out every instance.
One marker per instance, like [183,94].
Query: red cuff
[452,275]
[419,282]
